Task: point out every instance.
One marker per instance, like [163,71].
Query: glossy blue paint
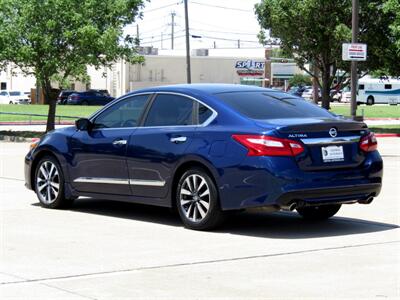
[242,181]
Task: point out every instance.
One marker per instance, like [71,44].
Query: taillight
[368,143]
[263,145]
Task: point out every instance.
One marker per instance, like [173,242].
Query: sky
[221,21]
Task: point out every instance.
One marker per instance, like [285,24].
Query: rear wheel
[316,213]
[197,200]
[370,100]
[49,184]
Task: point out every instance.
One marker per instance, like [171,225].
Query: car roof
[205,88]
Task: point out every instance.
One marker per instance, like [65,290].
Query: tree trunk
[46,84]
[326,89]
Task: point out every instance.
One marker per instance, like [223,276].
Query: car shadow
[279,225]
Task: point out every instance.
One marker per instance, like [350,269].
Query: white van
[14,97]
[376,91]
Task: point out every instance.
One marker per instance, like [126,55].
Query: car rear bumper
[363,193]
[277,182]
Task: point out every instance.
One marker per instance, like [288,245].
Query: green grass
[61,110]
[385,128]
[374,111]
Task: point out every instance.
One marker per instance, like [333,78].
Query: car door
[98,163]
[156,147]
[4,97]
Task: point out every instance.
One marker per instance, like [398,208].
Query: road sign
[354,52]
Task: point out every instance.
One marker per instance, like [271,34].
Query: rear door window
[271,105]
[170,110]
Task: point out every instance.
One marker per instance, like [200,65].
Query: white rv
[376,91]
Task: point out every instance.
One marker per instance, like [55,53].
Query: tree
[58,39]
[313,31]
[300,79]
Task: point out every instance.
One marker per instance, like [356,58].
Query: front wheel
[317,213]
[49,184]
[197,201]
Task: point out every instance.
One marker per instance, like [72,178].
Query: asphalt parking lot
[109,250]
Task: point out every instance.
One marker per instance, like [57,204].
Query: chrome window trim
[204,124]
[101,180]
[147,182]
[336,140]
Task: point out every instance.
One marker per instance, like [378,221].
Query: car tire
[49,184]
[318,213]
[370,100]
[197,200]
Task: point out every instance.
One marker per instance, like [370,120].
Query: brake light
[262,145]
[369,143]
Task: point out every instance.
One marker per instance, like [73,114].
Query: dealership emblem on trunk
[333,132]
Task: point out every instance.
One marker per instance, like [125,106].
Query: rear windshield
[272,105]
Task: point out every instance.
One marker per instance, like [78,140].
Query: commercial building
[157,70]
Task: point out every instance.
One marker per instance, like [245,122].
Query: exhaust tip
[367,200]
[289,207]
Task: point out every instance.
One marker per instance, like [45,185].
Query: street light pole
[354,75]
[188,71]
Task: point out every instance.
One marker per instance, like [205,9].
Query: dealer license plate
[332,153]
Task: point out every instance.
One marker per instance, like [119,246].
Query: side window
[204,113]
[3,94]
[125,113]
[388,86]
[361,87]
[170,110]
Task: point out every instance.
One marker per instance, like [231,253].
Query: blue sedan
[207,150]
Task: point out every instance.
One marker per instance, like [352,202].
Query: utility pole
[215,45]
[188,71]
[173,14]
[238,44]
[137,34]
[162,40]
[354,75]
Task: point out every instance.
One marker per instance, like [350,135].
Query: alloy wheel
[195,198]
[47,182]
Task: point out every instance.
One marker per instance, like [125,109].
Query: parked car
[336,95]
[207,150]
[297,90]
[308,94]
[89,98]
[346,95]
[14,97]
[63,96]
[104,92]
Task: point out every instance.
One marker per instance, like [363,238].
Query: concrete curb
[382,135]
[16,139]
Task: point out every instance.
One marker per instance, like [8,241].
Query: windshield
[272,105]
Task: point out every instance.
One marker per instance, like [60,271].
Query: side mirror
[83,124]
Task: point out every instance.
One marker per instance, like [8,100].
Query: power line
[157,41]
[162,7]
[222,7]
[229,32]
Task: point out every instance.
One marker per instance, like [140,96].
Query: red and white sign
[357,52]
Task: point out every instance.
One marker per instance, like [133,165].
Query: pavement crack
[223,260]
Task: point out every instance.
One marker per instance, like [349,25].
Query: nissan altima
[209,149]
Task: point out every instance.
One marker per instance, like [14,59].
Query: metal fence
[30,117]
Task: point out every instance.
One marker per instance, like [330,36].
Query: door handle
[119,142]
[178,140]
